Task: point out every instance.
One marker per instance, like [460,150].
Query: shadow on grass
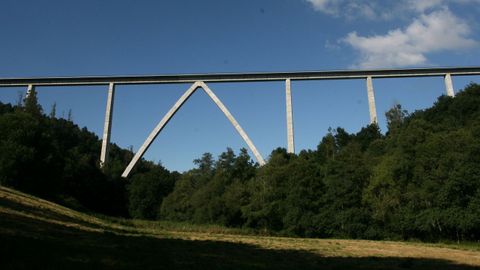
[46,213]
[27,243]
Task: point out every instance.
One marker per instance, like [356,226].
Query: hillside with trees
[420,180]
[56,160]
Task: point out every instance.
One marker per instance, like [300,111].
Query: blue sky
[73,38]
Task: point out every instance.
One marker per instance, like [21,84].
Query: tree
[31,104]
[147,190]
[19,99]
[395,117]
[367,135]
[70,116]
[53,111]
[205,163]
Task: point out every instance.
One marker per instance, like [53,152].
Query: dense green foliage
[421,180]
[53,158]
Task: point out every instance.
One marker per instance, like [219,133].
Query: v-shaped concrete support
[172,112]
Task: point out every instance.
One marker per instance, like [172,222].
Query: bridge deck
[240,77]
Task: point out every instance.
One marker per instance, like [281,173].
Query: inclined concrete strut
[234,122]
[172,112]
[159,128]
[107,127]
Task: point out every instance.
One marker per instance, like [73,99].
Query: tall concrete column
[371,101]
[159,128]
[449,85]
[29,90]
[234,122]
[290,138]
[107,126]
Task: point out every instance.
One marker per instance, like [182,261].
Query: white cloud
[381,9]
[346,8]
[432,32]
[424,5]
[320,4]
[434,29]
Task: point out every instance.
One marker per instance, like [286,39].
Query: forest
[420,180]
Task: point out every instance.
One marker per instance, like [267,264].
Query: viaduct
[201,80]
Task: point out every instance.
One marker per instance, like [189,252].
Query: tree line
[420,180]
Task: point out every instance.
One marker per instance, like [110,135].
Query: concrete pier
[29,89]
[107,127]
[449,85]
[290,136]
[371,101]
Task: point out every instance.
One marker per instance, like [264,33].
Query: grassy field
[37,234]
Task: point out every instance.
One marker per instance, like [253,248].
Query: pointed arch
[172,112]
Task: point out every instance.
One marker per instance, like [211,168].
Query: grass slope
[37,234]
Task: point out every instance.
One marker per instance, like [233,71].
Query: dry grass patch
[37,232]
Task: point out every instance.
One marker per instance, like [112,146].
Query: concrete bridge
[201,80]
